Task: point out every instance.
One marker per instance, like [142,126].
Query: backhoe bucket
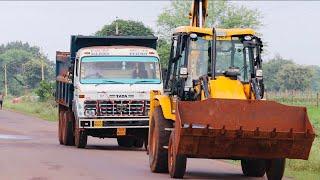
[236,129]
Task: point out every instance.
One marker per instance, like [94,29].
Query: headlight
[90,112]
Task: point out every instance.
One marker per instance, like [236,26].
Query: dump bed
[78,42]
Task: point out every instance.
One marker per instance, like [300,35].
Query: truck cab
[110,82]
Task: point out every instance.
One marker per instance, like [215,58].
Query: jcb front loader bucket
[235,129]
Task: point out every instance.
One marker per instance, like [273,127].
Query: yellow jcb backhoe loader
[212,105]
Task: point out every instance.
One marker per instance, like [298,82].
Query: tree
[23,66]
[125,28]
[294,77]
[164,52]
[271,71]
[222,14]
[282,74]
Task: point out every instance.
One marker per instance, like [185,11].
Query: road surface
[29,149]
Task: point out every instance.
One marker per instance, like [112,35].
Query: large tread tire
[158,138]
[125,141]
[60,126]
[253,167]
[138,143]
[81,138]
[275,168]
[177,163]
[68,128]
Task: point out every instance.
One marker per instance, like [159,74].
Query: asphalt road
[29,149]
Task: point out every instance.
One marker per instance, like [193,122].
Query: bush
[45,91]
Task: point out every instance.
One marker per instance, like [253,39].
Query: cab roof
[219,31]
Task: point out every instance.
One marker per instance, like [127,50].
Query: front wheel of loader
[158,138]
[253,167]
[176,162]
[275,168]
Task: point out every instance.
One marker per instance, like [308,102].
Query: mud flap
[224,128]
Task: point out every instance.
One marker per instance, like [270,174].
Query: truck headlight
[90,112]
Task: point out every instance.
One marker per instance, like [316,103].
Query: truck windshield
[119,69]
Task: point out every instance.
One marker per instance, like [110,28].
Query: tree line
[23,65]
[24,62]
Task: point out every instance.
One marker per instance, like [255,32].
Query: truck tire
[125,141]
[158,138]
[177,163]
[68,128]
[81,138]
[138,143]
[275,168]
[60,126]
[253,167]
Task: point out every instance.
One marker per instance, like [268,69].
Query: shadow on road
[113,148]
[214,175]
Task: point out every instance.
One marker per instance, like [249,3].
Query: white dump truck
[103,86]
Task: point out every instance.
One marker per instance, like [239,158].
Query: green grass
[43,110]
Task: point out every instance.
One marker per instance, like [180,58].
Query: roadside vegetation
[45,110]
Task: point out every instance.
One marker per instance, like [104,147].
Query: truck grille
[119,107]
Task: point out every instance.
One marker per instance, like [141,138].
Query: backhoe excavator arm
[198,13]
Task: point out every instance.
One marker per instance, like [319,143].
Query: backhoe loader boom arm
[198,13]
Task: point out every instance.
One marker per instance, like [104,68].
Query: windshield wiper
[144,81]
[110,81]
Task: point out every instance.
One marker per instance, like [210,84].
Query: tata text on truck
[103,86]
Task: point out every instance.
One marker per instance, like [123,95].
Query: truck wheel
[275,168]
[158,137]
[68,128]
[125,141]
[80,138]
[176,162]
[138,143]
[60,126]
[253,167]
[146,145]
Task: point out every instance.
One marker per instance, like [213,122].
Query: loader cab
[236,56]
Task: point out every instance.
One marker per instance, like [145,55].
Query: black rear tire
[253,167]
[158,137]
[68,134]
[138,143]
[275,168]
[60,126]
[81,138]
[125,141]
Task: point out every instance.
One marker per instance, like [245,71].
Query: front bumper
[107,123]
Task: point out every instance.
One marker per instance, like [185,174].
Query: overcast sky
[290,28]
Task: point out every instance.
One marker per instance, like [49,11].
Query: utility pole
[5,80]
[117,26]
[42,69]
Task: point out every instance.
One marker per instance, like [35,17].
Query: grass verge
[44,110]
